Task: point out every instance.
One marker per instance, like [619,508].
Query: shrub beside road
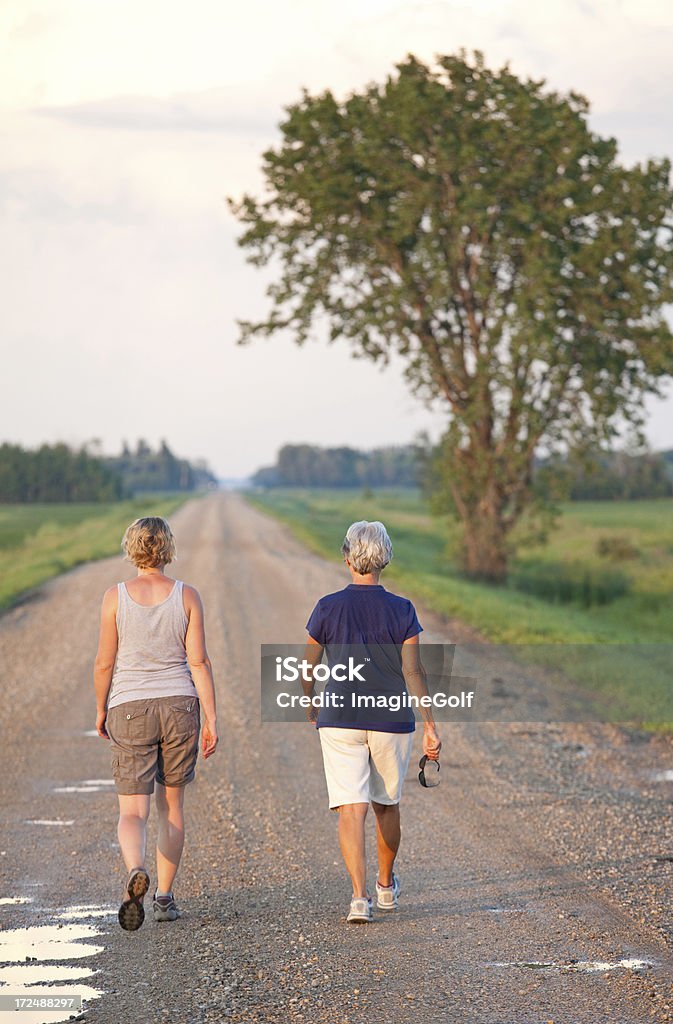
[38,542]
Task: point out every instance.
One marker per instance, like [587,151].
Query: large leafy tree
[473,223]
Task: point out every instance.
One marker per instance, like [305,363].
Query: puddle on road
[582,966]
[78,789]
[47,942]
[87,993]
[42,974]
[47,821]
[30,960]
[601,965]
[86,911]
[85,786]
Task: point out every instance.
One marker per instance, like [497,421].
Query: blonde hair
[367,546]
[149,543]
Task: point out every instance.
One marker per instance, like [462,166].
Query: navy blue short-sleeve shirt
[364,614]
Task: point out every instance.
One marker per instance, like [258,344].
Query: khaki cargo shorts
[153,739]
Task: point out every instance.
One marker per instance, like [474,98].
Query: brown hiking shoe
[131,913]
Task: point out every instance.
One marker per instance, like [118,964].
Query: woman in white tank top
[153,678]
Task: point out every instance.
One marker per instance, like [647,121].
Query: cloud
[218,111]
[35,24]
[38,194]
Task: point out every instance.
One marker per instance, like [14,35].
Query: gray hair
[367,547]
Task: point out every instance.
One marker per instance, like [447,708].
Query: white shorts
[363,765]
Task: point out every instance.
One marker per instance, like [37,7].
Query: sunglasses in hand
[428,774]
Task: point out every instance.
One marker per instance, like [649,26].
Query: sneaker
[131,912]
[361,910]
[386,895]
[165,908]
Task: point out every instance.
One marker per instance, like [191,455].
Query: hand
[431,743]
[100,724]
[209,738]
[312,713]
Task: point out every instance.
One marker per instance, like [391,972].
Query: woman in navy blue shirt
[366,748]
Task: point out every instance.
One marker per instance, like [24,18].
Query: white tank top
[151,656]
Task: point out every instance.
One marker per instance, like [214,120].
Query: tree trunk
[484,545]
[476,482]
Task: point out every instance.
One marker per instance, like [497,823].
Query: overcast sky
[125,124]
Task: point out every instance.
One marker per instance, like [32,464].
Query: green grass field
[41,541]
[636,539]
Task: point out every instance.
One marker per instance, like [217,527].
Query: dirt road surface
[536,878]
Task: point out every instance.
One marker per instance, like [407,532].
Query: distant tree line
[58,473]
[147,470]
[306,465]
[601,476]
[594,476]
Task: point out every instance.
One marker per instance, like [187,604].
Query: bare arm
[417,684]
[312,654]
[201,668]
[105,657]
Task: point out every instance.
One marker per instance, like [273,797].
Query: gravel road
[536,878]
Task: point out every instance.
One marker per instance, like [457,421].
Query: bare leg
[352,843]
[132,828]
[387,839]
[171,834]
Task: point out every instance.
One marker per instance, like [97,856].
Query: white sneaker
[386,896]
[361,910]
